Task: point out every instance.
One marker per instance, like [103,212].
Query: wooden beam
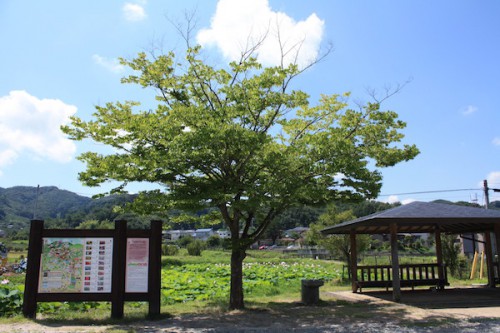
[489,259]
[33,269]
[396,283]
[119,264]
[497,243]
[354,262]
[439,253]
[154,273]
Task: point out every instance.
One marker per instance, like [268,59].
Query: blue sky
[59,59]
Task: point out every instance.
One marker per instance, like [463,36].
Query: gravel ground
[338,312]
[368,327]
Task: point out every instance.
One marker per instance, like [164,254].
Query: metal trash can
[310,291]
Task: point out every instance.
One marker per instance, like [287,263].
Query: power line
[428,192]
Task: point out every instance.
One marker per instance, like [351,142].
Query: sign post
[94,265]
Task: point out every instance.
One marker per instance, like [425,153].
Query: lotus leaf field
[211,281]
[203,280]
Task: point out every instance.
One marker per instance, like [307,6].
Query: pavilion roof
[422,217]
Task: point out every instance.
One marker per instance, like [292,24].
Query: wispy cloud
[112,65]
[496,141]
[395,199]
[134,12]
[29,125]
[469,109]
[392,199]
[240,25]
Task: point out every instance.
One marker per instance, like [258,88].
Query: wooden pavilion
[419,217]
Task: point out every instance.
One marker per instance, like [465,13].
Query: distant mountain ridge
[62,208]
[52,202]
[19,204]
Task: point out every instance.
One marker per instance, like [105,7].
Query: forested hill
[65,209]
[19,204]
[21,201]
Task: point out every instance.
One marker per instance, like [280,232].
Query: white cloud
[470,109]
[407,201]
[112,65]
[239,24]
[493,179]
[7,156]
[496,141]
[134,12]
[392,199]
[31,125]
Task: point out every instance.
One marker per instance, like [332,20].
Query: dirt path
[339,312]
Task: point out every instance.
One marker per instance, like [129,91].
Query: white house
[223,233]
[201,234]
[173,235]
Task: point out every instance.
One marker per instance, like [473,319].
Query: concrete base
[310,291]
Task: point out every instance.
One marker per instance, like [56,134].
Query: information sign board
[76,265]
[136,275]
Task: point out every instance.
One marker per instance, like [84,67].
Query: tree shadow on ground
[275,316]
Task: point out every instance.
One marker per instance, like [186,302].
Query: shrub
[226,243]
[195,247]
[185,241]
[169,250]
[213,242]
[451,252]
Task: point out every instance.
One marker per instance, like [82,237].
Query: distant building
[297,230]
[223,233]
[201,234]
[173,235]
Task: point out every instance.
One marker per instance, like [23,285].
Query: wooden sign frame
[118,296]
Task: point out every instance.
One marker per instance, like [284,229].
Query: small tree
[94,224]
[238,138]
[185,241]
[214,241]
[337,245]
[169,250]
[195,247]
[451,253]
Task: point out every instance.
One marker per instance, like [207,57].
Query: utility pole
[36,202]
[486,195]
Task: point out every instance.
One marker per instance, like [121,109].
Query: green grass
[385,259]
[200,285]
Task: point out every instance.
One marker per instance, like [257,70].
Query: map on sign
[76,265]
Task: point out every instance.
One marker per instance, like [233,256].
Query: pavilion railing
[410,275]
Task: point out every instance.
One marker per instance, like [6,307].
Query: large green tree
[238,138]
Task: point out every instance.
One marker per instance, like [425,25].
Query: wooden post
[439,255]
[154,274]
[354,262]
[489,259]
[496,271]
[481,267]
[33,269]
[119,263]
[396,283]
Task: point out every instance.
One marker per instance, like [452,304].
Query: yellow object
[474,264]
[481,269]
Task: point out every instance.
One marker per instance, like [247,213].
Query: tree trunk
[236,294]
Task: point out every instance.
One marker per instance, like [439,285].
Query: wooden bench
[410,275]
